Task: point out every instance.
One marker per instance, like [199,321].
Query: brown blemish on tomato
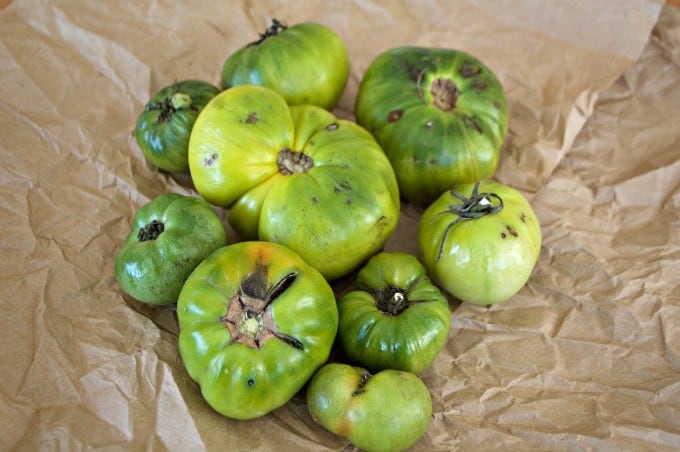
[503,235]
[394,115]
[210,160]
[479,84]
[472,122]
[315,200]
[469,70]
[523,218]
[511,231]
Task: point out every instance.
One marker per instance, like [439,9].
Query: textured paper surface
[586,356]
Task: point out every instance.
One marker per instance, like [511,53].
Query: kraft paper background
[585,357]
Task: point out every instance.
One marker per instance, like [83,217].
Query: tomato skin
[240,377]
[387,411]
[297,176]
[154,269]
[440,115]
[163,128]
[306,63]
[396,319]
[484,260]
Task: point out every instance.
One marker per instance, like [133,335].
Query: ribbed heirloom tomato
[297,176]
[255,322]
[439,114]
[306,63]
[480,242]
[396,318]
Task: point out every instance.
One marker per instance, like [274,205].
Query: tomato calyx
[391,300]
[150,231]
[170,105]
[249,317]
[291,162]
[478,205]
[276,27]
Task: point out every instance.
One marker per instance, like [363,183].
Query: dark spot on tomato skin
[394,115]
[315,200]
[503,235]
[497,105]
[472,122]
[210,160]
[469,70]
[250,383]
[511,231]
[523,218]
[479,84]
[348,201]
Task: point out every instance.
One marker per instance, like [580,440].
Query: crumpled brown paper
[586,356]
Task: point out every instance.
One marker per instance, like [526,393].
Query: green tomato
[397,319]
[306,63]
[480,242]
[169,237]
[439,114]
[163,128]
[255,323]
[297,176]
[387,411]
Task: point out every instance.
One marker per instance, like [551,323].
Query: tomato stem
[150,231]
[478,205]
[291,162]
[276,27]
[392,300]
[444,94]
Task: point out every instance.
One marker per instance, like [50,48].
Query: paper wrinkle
[586,356]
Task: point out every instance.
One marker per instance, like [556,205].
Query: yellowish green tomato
[396,319]
[306,63]
[386,411]
[480,242]
[297,176]
[255,323]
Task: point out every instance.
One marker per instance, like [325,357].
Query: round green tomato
[297,176]
[387,411]
[480,242]
[163,128]
[306,63]
[255,322]
[169,237]
[397,319]
[439,114]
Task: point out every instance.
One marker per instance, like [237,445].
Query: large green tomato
[169,237]
[163,128]
[397,319]
[439,114]
[306,63]
[297,176]
[480,242]
[255,322]
[387,411]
